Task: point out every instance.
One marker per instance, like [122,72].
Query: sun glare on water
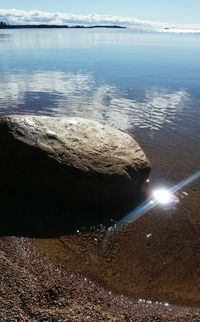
[163,196]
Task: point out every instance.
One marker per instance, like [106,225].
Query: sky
[173,11]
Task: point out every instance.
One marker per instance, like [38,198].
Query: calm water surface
[146,84]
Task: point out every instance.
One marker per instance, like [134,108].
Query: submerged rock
[77,160]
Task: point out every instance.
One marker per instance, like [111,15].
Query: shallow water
[147,84]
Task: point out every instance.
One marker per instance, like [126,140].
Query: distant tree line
[3,24]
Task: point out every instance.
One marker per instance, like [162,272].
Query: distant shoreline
[59,26]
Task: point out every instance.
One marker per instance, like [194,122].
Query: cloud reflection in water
[79,94]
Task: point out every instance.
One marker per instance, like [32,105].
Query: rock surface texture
[74,159]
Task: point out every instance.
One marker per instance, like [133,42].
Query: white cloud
[14,16]
[78,94]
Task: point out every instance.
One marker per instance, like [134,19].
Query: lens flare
[162,196]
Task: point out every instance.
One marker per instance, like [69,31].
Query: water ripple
[79,94]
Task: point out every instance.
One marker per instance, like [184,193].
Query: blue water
[147,84]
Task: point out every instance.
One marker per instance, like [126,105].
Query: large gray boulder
[77,160]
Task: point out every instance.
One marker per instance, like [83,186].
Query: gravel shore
[33,288]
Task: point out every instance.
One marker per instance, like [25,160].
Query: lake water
[147,84]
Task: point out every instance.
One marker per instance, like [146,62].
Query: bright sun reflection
[162,196]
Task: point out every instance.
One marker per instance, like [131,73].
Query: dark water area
[146,84]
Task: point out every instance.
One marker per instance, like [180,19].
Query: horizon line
[37,17]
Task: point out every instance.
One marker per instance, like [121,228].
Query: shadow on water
[39,215]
